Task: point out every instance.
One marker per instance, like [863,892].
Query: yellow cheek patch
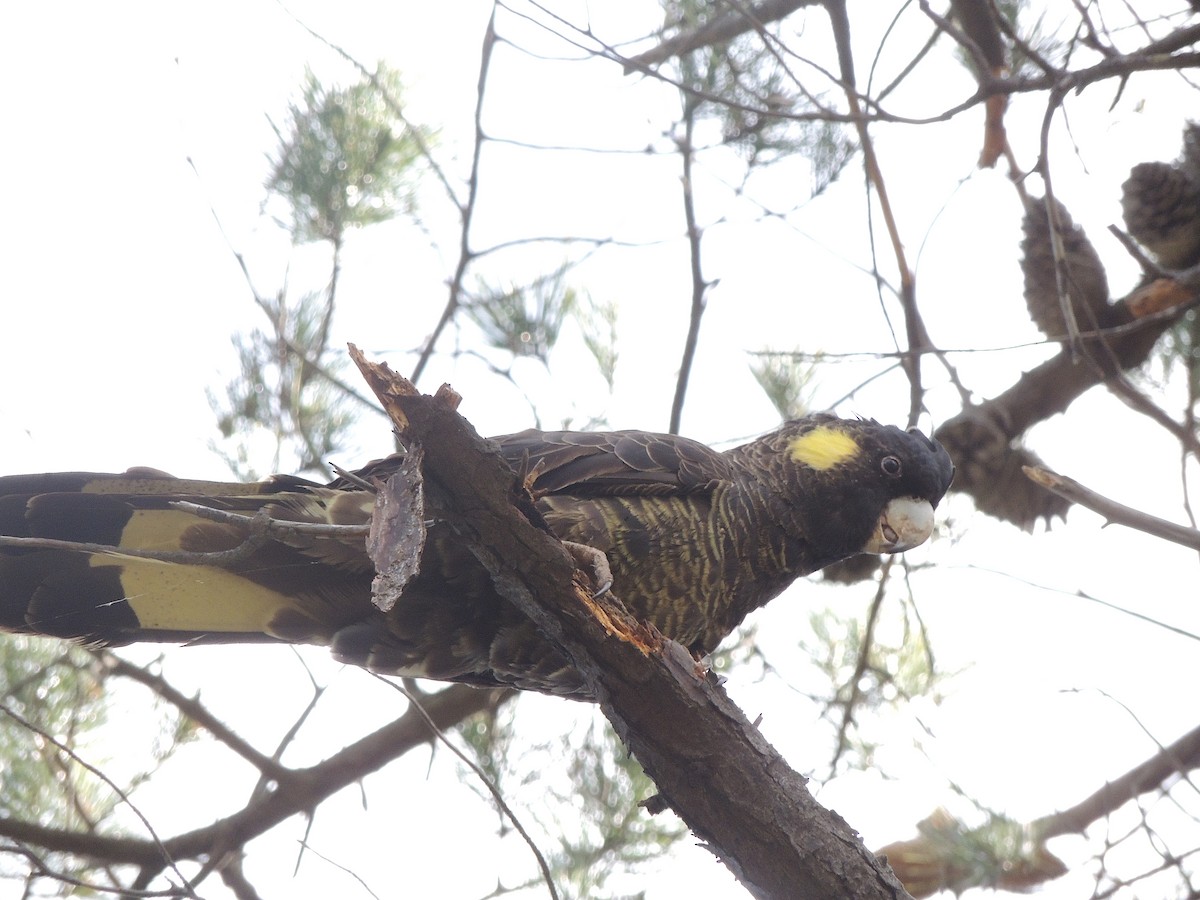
[823,448]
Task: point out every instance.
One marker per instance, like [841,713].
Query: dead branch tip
[387,385]
[448,397]
[1044,477]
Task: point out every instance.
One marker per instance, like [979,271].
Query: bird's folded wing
[592,464]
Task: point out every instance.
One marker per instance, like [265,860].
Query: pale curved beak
[906,522]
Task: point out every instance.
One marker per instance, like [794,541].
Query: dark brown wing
[613,463]
[596,463]
[631,494]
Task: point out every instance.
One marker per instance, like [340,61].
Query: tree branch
[711,765]
[722,28]
[699,285]
[194,710]
[1112,510]
[982,438]
[1178,758]
[299,791]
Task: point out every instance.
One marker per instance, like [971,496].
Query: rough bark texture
[711,765]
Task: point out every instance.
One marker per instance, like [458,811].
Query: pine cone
[1162,207]
[989,469]
[1085,279]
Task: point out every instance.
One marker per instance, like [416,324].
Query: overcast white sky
[120,295]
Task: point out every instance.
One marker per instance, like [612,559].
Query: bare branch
[501,803]
[300,791]
[194,710]
[724,27]
[153,846]
[699,285]
[1112,510]
[1176,759]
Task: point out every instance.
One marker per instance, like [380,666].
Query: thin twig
[467,208]
[42,869]
[354,478]
[299,352]
[1139,402]
[306,789]
[1177,758]
[75,757]
[346,869]
[195,711]
[1113,511]
[699,286]
[260,528]
[397,110]
[505,809]
[916,334]
[718,30]
[182,557]
[860,667]
[269,524]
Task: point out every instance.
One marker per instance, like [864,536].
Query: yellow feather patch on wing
[181,597]
[823,448]
[174,529]
[174,597]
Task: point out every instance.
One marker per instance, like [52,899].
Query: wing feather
[615,463]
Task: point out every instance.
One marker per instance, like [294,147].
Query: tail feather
[142,569]
[153,572]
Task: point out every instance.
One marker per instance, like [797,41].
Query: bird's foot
[594,562]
